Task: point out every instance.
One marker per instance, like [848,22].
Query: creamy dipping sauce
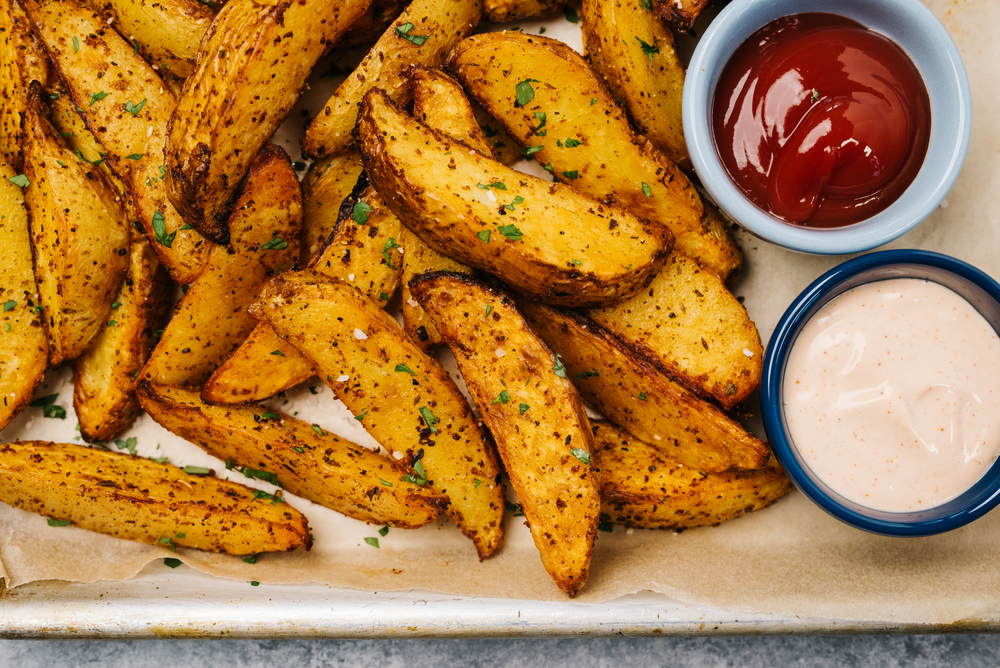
[892,395]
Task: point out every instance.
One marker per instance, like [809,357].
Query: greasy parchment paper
[788,559]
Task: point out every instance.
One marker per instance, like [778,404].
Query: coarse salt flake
[412,302]
[397,455]
[350,277]
[489,193]
[341,379]
[358,334]
[748,352]
[501,352]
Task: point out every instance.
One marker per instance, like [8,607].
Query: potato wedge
[439,102]
[504,148]
[211,320]
[614,32]
[404,399]
[422,35]
[104,377]
[13,92]
[549,100]
[326,185]
[366,30]
[22,335]
[79,236]
[642,488]
[686,323]
[78,138]
[129,118]
[619,383]
[359,252]
[534,413]
[546,240]
[137,499]
[168,32]
[252,64]
[308,461]
[502,11]
[680,14]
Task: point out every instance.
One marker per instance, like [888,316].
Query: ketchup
[820,121]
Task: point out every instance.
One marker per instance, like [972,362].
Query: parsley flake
[587,374]
[134,109]
[76,44]
[504,397]
[127,444]
[570,14]
[514,508]
[360,213]
[511,231]
[646,190]
[58,523]
[648,49]
[276,243]
[196,470]
[49,407]
[385,482]
[404,32]
[389,245]
[383,531]
[361,417]
[97,97]
[402,368]
[171,562]
[21,180]
[815,95]
[524,408]
[643,397]
[280,354]
[573,143]
[524,92]
[572,175]
[559,369]
[530,150]
[484,236]
[252,559]
[134,156]
[429,418]
[160,230]
[581,454]
[370,540]
[606,527]
[9,305]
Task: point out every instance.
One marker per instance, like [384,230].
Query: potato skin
[137,499]
[502,11]
[22,335]
[686,323]
[318,466]
[619,383]
[437,24]
[402,397]
[211,320]
[534,413]
[642,488]
[326,185]
[79,236]
[561,246]
[252,65]
[585,139]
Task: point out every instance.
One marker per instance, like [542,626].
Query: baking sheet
[790,559]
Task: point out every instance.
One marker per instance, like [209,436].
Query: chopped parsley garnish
[576,262]
[159,460]
[97,97]
[384,296]
[318,430]
[530,150]
[404,32]
[570,14]
[648,49]
[420,479]
[606,526]
[134,109]
[261,474]
[360,213]
[573,143]
[540,115]
[383,531]
[298,165]
[49,407]
[276,243]
[165,540]
[299,449]
[504,397]
[484,236]
[134,156]
[9,305]
[477,482]
[196,470]
[254,583]
[815,95]
[646,190]
[524,408]
[572,175]
[273,498]
[402,368]
[648,4]
[252,559]
[389,245]
[587,374]
[58,523]
[385,482]
[593,101]
[116,305]
[643,397]
[171,562]
[160,230]
[499,185]
[370,540]
[489,309]
[76,44]
[280,354]
[21,180]
[524,92]
[429,418]
[559,369]
[581,454]
[127,444]
[361,417]
[511,231]
[270,416]
[514,508]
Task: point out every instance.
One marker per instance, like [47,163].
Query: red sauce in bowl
[820,121]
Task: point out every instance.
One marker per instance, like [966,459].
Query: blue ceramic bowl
[918,32]
[976,287]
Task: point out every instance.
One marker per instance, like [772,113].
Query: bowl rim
[946,151]
[975,502]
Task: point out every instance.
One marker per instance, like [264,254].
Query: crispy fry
[405,400]
[327,184]
[534,413]
[306,460]
[137,499]
[642,488]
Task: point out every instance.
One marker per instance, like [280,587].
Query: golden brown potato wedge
[405,400]
[422,35]
[502,11]
[504,148]
[253,62]
[366,30]
[22,336]
[79,139]
[305,459]
[636,57]
[137,499]
[326,185]
[12,88]
[211,320]
[126,106]
[361,251]
[550,101]
[640,487]
[546,240]
[689,325]
[79,236]
[104,377]
[681,14]
[534,413]
[168,32]
[619,383]
[439,102]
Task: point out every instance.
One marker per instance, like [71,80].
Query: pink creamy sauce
[892,395]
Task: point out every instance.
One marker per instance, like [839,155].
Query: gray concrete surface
[973,651]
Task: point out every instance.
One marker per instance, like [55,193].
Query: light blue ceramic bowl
[918,32]
[975,286]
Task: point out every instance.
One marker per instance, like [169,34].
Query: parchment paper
[789,559]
